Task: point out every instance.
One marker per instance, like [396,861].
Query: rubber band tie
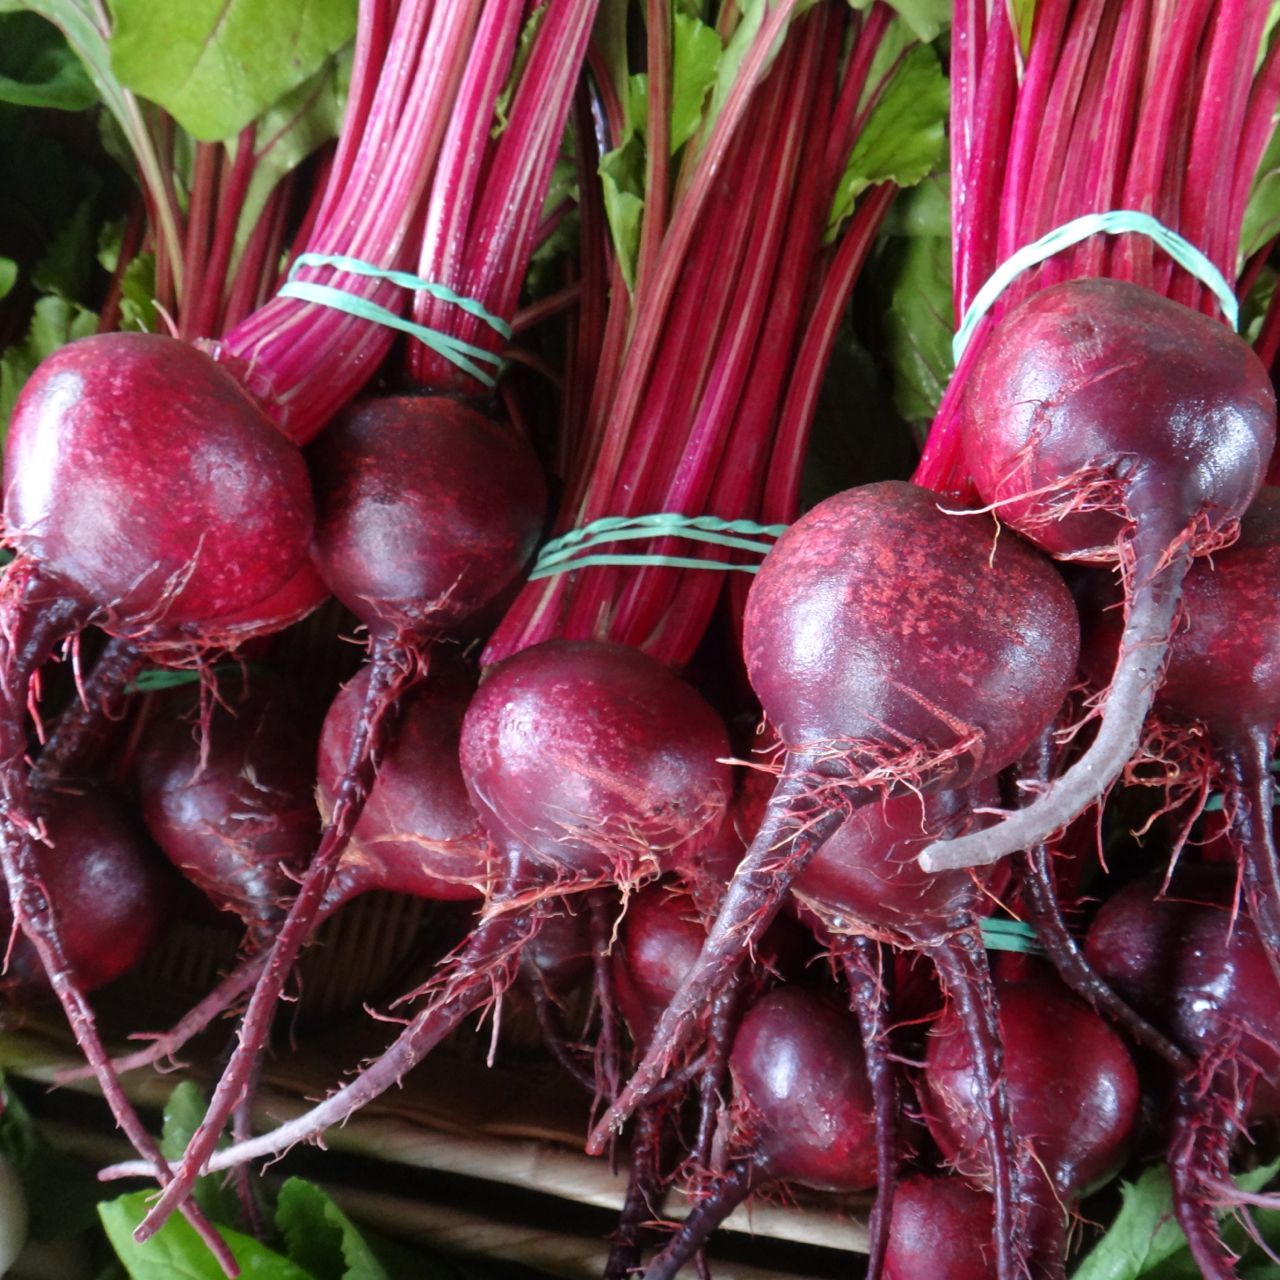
[999,934]
[463,354]
[566,553]
[156,679]
[1114,222]
[1217,802]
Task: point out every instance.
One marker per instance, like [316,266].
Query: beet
[891,645]
[536,741]
[801,1112]
[1073,1097]
[941,1230]
[145,492]
[99,871]
[226,792]
[1195,966]
[1111,425]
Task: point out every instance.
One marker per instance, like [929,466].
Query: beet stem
[1143,645]
[644,1195]
[710,1211]
[390,674]
[795,826]
[1074,968]
[36,619]
[962,966]
[1249,802]
[868,976]
[479,974]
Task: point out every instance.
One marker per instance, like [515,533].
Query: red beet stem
[1075,970]
[795,826]
[33,619]
[1249,800]
[868,976]
[391,672]
[164,1047]
[1199,1152]
[710,1211]
[477,976]
[1159,564]
[961,962]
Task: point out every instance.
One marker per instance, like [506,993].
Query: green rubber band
[1114,222]
[155,679]
[462,354]
[406,280]
[562,554]
[1216,802]
[1009,935]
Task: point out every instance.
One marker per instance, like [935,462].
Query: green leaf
[918,323]
[138,294]
[64,267]
[38,68]
[288,132]
[175,1252]
[320,1237]
[524,48]
[1261,222]
[215,65]
[54,323]
[8,275]
[1145,1239]
[182,1115]
[695,56]
[903,140]
[622,175]
[926,19]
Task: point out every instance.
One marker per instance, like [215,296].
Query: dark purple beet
[145,483]
[425,510]
[1111,425]
[596,761]
[1195,965]
[419,832]
[98,871]
[891,645]
[801,1112]
[147,493]
[1073,1097]
[941,1231]
[227,792]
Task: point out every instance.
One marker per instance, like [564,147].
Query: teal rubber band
[1217,802]
[405,280]
[562,554]
[1114,222]
[1009,935]
[451,348]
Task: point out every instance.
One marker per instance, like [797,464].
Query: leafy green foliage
[914,272]
[176,1252]
[215,65]
[38,68]
[622,176]
[1145,1240]
[926,19]
[1262,212]
[695,56]
[321,1237]
[903,140]
[54,323]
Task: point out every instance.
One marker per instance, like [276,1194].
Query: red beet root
[856,629]
[941,1231]
[146,493]
[230,801]
[98,871]
[1109,424]
[801,1112]
[1073,1097]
